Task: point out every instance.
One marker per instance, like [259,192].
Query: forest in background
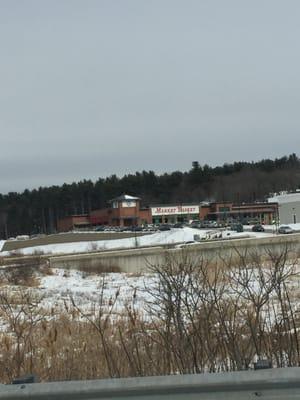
[37,211]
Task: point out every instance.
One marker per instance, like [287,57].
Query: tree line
[38,210]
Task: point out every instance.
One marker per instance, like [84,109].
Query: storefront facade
[126,211]
[175,214]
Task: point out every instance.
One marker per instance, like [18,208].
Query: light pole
[294,216]
[277,218]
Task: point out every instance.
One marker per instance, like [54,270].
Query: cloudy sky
[90,88]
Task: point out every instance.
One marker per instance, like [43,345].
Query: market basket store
[174,214]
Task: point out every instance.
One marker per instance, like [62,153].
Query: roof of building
[124,197]
[285,198]
[154,205]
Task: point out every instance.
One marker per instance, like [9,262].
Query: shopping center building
[126,211]
[123,211]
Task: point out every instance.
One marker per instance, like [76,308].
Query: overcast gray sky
[94,87]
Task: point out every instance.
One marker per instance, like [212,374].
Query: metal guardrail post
[31,378]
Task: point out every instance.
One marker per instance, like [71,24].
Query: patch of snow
[87,289]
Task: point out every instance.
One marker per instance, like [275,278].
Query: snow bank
[158,238]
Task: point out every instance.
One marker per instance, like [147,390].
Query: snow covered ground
[86,289]
[54,293]
[158,238]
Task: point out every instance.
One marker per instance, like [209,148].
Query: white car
[285,229]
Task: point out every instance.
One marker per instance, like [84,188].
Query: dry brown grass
[198,321]
[24,271]
[46,270]
[21,276]
[97,268]
[57,345]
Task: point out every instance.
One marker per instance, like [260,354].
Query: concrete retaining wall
[139,260]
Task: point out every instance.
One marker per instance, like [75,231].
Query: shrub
[46,270]
[99,268]
[21,275]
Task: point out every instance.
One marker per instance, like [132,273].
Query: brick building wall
[69,223]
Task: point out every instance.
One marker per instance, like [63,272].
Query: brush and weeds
[200,319]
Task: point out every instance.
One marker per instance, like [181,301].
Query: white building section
[288,207]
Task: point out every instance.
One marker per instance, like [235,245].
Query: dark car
[204,224]
[100,229]
[195,225]
[258,228]
[136,229]
[164,227]
[238,227]
[178,225]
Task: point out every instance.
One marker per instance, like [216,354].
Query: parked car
[285,229]
[205,224]
[178,225]
[149,228]
[125,229]
[195,225]
[237,227]
[22,237]
[164,227]
[136,229]
[258,228]
[213,224]
[100,228]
